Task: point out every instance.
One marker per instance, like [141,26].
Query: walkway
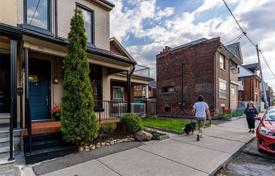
[180,155]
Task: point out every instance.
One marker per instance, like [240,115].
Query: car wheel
[261,150]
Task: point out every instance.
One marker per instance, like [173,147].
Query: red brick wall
[251,87]
[192,67]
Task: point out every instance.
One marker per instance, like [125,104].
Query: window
[118,93]
[37,13]
[222,62]
[168,89]
[222,88]
[96,81]
[233,91]
[88,15]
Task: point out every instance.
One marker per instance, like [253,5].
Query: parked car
[266,132]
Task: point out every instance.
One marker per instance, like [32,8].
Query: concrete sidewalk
[180,155]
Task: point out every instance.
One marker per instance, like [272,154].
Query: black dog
[189,128]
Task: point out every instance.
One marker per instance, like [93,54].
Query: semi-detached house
[33,40]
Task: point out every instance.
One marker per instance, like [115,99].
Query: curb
[223,165]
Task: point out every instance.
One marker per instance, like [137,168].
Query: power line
[236,38]
[243,31]
[267,63]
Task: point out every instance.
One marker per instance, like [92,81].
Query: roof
[253,66]
[18,32]
[190,44]
[108,3]
[122,49]
[233,47]
[153,84]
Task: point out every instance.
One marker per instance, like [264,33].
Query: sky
[145,27]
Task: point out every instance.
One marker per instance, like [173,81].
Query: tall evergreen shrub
[79,124]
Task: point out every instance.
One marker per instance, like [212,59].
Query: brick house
[249,83]
[203,67]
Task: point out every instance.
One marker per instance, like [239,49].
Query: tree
[79,124]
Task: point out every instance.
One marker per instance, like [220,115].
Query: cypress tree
[79,124]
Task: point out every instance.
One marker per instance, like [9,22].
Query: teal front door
[39,89]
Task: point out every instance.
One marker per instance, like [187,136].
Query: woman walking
[251,112]
[200,110]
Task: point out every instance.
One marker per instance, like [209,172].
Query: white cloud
[180,28]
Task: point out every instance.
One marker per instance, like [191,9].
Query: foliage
[133,123]
[56,112]
[232,114]
[79,124]
[166,124]
[107,128]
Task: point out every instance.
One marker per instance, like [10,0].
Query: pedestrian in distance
[201,111]
[251,113]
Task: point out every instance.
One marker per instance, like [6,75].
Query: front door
[39,88]
[4,84]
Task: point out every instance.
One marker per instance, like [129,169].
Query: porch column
[128,92]
[13,94]
[27,98]
[146,91]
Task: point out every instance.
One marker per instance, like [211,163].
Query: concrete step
[4,142]
[5,132]
[4,115]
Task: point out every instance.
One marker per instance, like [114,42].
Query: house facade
[249,83]
[203,67]
[33,40]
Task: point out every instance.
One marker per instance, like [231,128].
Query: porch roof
[65,42]
[18,33]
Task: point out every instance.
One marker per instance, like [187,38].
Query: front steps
[46,146]
[7,167]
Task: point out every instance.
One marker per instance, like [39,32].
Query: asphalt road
[250,162]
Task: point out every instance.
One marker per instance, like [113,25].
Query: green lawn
[166,124]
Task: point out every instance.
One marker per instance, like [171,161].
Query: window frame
[78,5]
[25,24]
[222,57]
[167,88]
[221,96]
[123,97]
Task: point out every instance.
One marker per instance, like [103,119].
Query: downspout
[229,86]
[129,75]
[55,18]
[182,84]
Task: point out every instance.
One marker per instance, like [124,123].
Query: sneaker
[253,131]
[249,131]
[198,137]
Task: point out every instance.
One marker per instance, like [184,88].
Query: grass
[232,114]
[166,124]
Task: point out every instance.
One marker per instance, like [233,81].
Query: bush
[132,122]
[107,128]
[79,124]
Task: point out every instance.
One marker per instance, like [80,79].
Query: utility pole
[261,74]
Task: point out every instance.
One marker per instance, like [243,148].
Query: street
[250,162]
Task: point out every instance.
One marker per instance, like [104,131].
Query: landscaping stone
[87,148]
[98,145]
[103,144]
[81,149]
[92,147]
[143,136]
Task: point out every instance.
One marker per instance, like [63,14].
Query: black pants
[251,123]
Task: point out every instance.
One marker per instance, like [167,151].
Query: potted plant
[56,112]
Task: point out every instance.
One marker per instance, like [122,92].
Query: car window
[270,116]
